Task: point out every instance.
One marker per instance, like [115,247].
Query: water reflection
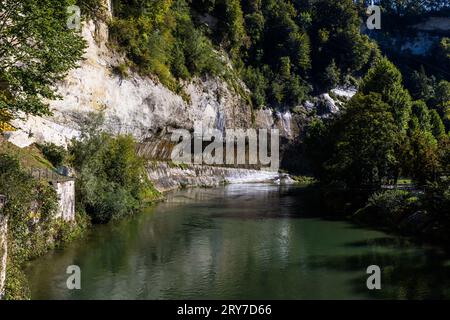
[239,242]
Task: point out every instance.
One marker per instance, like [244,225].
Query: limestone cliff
[136,105]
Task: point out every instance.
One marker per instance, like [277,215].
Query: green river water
[240,242]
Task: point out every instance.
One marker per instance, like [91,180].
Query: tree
[36,51]
[364,150]
[420,158]
[422,114]
[437,126]
[319,145]
[441,102]
[112,181]
[442,55]
[335,34]
[331,77]
[231,25]
[384,78]
[422,85]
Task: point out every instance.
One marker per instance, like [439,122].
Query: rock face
[418,40]
[134,105]
[436,24]
[3,252]
[168,177]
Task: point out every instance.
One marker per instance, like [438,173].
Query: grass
[402,182]
[304,180]
[29,157]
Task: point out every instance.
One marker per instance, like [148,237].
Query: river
[240,242]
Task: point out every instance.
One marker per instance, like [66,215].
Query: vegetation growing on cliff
[281,49]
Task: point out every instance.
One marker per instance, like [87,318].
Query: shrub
[32,227]
[387,208]
[53,153]
[389,201]
[112,180]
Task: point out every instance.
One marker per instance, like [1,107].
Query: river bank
[421,214]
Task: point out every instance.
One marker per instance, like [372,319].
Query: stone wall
[167,176]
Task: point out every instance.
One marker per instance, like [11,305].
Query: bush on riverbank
[424,214]
[387,208]
[112,182]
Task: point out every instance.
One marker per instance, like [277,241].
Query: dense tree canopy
[36,50]
[282,49]
[384,78]
[364,149]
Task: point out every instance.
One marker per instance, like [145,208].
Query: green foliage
[16,286]
[441,102]
[331,77]
[387,208]
[231,29]
[53,153]
[365,143]
[422,114]
[437,126]
[389,201]
[319,144]
[36,51]
[335,35]
[385,79]
[419,156]
[358,147]
[160,38]
[442,55]
[273,44]
[112,180]
[258,84]
[422,85]
[95,9]
[437,200]
[69,231]
[32,226]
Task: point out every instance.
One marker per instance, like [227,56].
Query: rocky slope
[136,105]
[144,108]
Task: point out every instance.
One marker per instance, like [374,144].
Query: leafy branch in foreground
[36,50]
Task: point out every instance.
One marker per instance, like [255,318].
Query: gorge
[363,121]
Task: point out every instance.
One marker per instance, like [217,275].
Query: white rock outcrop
[134,105]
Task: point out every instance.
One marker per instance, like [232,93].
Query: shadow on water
[406,273]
